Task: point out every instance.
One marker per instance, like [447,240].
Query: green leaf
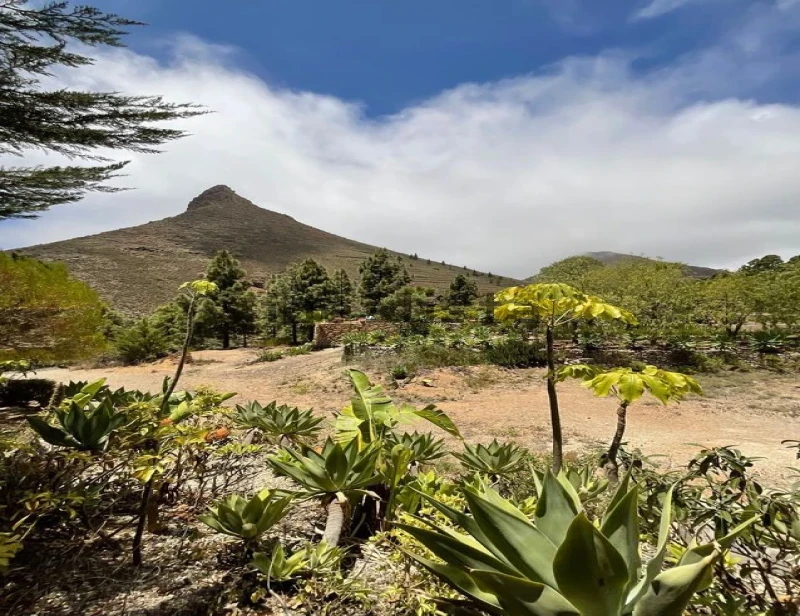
[436,416]
[671,591]
[49,433]
[555,509]
[513,539]
[520,597]
[630,387]
[591,573]
[621,527]
[654,566]
[461,580]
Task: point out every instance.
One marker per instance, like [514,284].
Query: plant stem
[334,523]
[612,468]
[555,416]
[184,352]
[137,538]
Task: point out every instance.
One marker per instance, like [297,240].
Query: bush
[21,392]
[516,353]
[141,342]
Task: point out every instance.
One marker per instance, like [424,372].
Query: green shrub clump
[516,353]
[141,342]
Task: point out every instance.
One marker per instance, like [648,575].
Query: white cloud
[657,8]
[504,176]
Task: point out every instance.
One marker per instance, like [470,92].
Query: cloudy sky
[499,135]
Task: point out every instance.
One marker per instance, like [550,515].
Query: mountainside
[139,268]
[609,258]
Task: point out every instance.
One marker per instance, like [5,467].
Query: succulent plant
[247,519]
[309,559]
[278,421]
[424,448]
[495,459]
[562,564]
[87,430]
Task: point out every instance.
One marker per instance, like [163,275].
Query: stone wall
[330,334]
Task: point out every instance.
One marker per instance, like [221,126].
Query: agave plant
[561,564]
[425,448]
[278,422]
[309,559]
[337,472]
[583,480]
[495,459]
[247,519]
[80,429]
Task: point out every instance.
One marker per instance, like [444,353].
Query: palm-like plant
[337,472]
[247,519]
[309,559]
[628,386]
[495,459]
[562,564]
[87,430]
[555,305]
[278,422]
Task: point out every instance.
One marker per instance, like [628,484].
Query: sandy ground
[754,411]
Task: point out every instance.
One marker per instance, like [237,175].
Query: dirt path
[753,411]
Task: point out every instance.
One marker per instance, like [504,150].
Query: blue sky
[388,54]
[499,135]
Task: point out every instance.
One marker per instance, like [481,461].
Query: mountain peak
[216,195]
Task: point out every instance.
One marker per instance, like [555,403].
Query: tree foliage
[45,314]
[408,305]
[462,291]
[230,310]
[381,275]
[302,294]
[342,304]
[35,40]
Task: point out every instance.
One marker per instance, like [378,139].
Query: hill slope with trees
[138,268]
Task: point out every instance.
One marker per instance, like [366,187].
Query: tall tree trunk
[294,332]
[226,338]
[612,468]
[555,416]
[244,340]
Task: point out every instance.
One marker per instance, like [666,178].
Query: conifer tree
[230,309]
[381,275]
[302,295]
[342,304]
[35,40]
[462,292]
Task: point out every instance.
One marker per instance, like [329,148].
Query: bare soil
[754,411]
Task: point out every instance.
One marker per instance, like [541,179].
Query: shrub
[516,353]
[141,342]
[21,392]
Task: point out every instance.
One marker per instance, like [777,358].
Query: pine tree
[230,309]
[342,293]
[381,275]
[34,42]
[303,294]
[462,292]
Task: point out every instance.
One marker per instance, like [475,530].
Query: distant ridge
[609,258]
[139,268]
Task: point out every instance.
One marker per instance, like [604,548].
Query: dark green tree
[462,292]
[342,304]
[35,41]
[767,263]
[412,305]
[302,295]
[381,275]
[229,310]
